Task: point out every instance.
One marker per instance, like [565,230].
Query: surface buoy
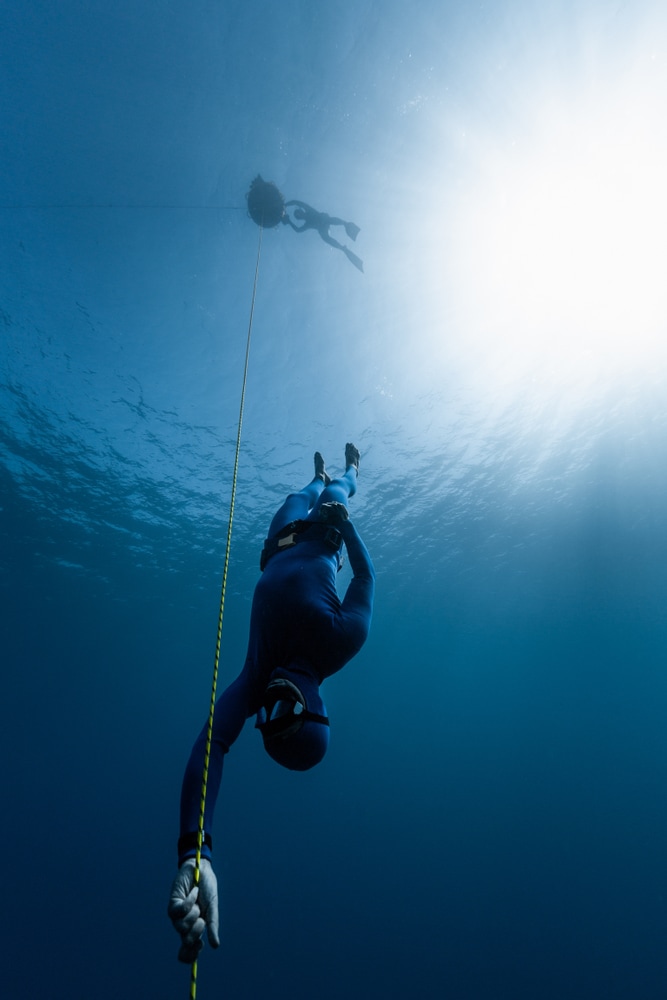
[266,205]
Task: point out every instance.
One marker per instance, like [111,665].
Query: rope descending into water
[214,684]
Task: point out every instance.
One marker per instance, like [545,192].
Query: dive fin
[359,264]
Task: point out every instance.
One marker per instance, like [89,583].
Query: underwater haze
[490,820]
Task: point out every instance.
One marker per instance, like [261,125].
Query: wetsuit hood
[293,719]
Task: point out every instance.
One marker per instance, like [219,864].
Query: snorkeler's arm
[287,219]
[288,222]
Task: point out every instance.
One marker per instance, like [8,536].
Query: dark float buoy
[266,205]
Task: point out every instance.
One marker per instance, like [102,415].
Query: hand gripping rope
[214,684]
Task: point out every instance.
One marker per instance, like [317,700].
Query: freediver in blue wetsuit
[300,634]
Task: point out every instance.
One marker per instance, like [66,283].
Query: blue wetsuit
[298,627]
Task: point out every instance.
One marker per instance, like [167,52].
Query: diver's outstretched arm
[194,909]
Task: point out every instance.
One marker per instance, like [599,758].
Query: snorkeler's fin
[352,230]
[359,264]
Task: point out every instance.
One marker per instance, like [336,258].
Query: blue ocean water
[490,819]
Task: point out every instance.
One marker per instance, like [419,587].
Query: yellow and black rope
[218,641]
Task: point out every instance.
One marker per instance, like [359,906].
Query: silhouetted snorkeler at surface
[320,221]
[300,634]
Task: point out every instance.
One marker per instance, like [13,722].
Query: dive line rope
[214,684]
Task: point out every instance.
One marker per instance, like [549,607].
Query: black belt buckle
[333,538]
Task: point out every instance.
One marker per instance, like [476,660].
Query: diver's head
[294,736]
[299,213]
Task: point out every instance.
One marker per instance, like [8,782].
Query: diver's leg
[297,505]
[320,469]
[340,490]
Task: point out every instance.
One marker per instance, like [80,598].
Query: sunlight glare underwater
[560,239]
